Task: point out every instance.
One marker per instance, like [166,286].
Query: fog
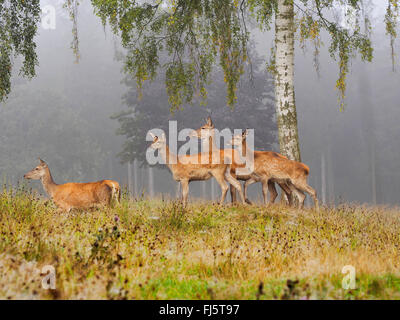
[64,116]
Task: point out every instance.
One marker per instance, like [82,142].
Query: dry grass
[159,250]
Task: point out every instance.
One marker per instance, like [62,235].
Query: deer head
[238,139]
[158,142]
[205,131]
[38,172]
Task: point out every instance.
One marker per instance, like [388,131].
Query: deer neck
[209,144]
[244,146]
[167,155]
[48,183]
[249,154]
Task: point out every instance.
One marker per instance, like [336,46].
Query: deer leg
[117,195]
[233,193]
[224,186]
[299,194]
[272,192]
[185,191]
[286,193]
[60,210]
[246,185]
[303,186]
[264,189]
[178,190]
[313,194]
[105,195]
[64,209]
[236,184]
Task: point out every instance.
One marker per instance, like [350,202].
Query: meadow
[158,249]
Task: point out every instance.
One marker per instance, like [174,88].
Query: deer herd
[227,166]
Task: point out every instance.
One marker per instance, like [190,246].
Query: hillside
[157,249]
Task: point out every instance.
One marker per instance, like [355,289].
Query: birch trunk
[284,81]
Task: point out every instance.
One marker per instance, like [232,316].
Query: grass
[153,249]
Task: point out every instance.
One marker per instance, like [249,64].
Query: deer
[206,133]
[70,196]
[273,166]
[190,168]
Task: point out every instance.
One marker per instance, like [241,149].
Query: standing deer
[70,196]
[207,134]
[273,166]
[190,168]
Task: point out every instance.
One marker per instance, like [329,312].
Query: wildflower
[116,219]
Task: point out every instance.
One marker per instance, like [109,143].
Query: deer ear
[152,135]
[163,136]
[42,162]
[209,121]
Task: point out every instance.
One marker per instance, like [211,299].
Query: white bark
[284,80]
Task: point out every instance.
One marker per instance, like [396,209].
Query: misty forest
[82,83]
[86,119]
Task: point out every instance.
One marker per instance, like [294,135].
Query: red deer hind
[190,168]
[207,134]
[272,166]
[70,196]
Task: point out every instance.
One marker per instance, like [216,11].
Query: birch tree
[19,20]
[197,34]
[284,80]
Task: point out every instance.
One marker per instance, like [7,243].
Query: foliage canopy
[18,26]
[195,34]
[150,110]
